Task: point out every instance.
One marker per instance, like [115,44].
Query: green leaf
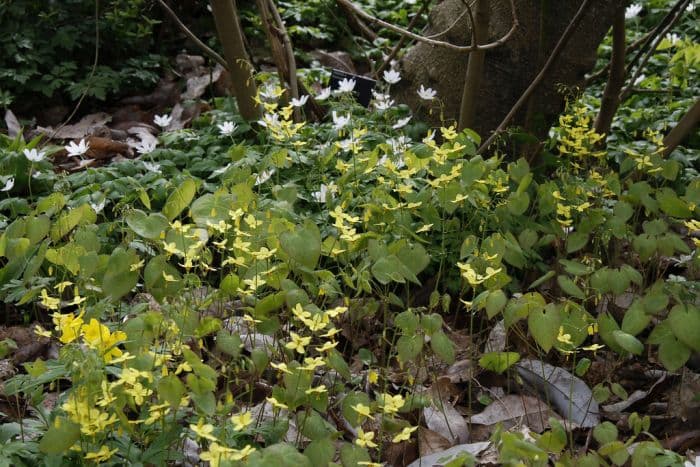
[569,287]
[628,342]
[636,319]
[119,277]
[212,208]
[673,353]
[672,205]
[604,433]
[430,323]
[407,321]
[499,362]
[544,325]
[409,347]
[60,437]
[320,451]
[685,323]
[150,226]
[179,199]
[495,302]
[575,241]
[171,390]
[303,246]
[71,219]
[352,455]
[443,347]
[352,399]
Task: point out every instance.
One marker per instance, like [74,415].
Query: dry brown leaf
[13,126]
[515,409]
[86,126]
[430,442]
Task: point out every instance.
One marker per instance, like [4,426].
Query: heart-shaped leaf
[544,325]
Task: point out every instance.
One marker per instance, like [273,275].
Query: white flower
[401,123]
[324,94]
[379,96]
[271,92]
[264,176]
[301,102]
[145,147]
[84,163]
[152,166]
[324,193]
[392,76]
[77,149]
[691,463]
[162,120]
[639,79]
[383,104]
[339,121]
[227,128]
[346,85]
[270,120]
[98,207]
[34,155]
[633,10]
[673,38]
[427,94]
[690,8]
[9,183]
[223,169]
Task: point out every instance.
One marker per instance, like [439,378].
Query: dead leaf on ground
[636,396]
[442,458]
[514,410]
[430,442]
[460,371]
[442,417]
[497,338]
[13,126]
[85,126]
[198,83]
[570,395]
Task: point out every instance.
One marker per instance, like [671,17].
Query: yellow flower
[203,430]
[326,346]
[593,347]
[216,454]
[241,454]
[363,410]
[372,377]
[241,421]
[69,326]
[275,403]
[41,332]
[281,367]
[310,364]
[97,336]
[392,404]
[564,338]
[50,302]
[365,439]
[103,455]
[298,343]
[405,434]
[317,390]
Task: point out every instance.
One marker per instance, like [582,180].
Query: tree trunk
[509,69]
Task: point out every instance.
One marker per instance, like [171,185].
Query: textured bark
[509,69]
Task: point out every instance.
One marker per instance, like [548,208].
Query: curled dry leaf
[444,419]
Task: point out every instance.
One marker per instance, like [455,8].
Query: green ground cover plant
[284,292]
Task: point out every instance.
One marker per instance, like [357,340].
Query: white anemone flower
[324,94]
[145,147]
[392,76]
[324,193]
[301,102]
[633,10]
[98,207]
[383,104]
[401,123]
[673,38]
[227,128]
[340,121]
[9,183]
[77,149]
[264,176]
[162,120]
[33,155]
[427,94]
[152,167]
[346,85]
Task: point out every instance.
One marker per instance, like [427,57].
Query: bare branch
[206,49]
[458,48]
[684,128]
[402,40]
[611,96]
[475,67]
[563,40]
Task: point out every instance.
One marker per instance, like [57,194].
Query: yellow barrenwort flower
[365,439]
[203,430]
[103,455]
[391,404]
[298,343]
[405,434]
[363,410]
[50,302]
[98,337]
[68,325]
[241,421]
[564,338]
[276,404]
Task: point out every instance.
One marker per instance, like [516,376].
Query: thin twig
[598,74]
[402,40]
[289,50]
[457,48]
[611,95]
[563,40]
[205,48]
